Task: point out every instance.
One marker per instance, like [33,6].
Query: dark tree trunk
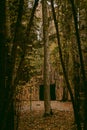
[2,56]
[65,94]
[64,69]
[7,65]
[4,124]
[83,93]
[66,63]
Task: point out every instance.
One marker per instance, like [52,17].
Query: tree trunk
[4,124]
[46,59]
[2,57]
[66,63]
[64,69]
[65,93]
[83,91]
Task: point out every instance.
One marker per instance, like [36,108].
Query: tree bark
[4,124]
[46,59]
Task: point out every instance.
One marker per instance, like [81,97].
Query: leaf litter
[34,120]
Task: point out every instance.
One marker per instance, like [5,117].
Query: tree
[46,59]
[83,88]
[2,56]
[7,108]
[9,81]
[76,115]
[80,88]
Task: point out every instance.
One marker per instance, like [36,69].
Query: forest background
[29,43]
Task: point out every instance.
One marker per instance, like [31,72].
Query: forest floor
[33,119]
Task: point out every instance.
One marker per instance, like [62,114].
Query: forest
[43,65]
